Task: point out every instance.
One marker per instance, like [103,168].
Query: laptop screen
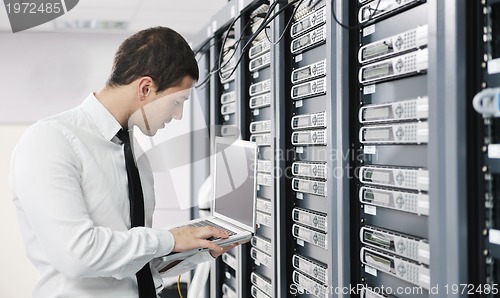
[234,186]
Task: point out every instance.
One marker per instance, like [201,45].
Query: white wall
[17,274]
[46,73]
[42,74]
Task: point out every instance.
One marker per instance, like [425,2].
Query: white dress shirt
[70,190]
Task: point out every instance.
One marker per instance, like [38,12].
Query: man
[72,186]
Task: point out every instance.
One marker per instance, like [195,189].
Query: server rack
[277,277]
[305,137]
[321,274]
[256,95]
[390,132]
[411,184]
[483,77]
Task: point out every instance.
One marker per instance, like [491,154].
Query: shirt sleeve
[46,180]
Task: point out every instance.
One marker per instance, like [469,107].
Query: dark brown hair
[158,52]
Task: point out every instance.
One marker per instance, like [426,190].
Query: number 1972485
[33,8]
[471,289]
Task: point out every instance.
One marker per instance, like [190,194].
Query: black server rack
[484,95]
[257,126]
[289,56]
[305,194]
[390,133]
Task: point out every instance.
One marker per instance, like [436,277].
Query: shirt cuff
[166,242]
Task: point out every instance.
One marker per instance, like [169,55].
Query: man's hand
[187,238]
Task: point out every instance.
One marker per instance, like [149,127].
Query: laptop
[233,204]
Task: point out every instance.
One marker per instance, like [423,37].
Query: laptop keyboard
[205,223]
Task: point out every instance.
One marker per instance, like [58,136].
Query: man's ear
[145,87]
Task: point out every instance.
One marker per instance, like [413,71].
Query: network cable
[355,27]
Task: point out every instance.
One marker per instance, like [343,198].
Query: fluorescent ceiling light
[90,25]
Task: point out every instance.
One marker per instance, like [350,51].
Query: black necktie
[144,277]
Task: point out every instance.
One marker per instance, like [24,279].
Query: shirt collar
[103,119]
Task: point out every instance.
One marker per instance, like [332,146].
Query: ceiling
[188,17]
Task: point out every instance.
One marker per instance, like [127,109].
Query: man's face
[162,108]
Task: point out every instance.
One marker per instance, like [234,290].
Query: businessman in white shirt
[70,183]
